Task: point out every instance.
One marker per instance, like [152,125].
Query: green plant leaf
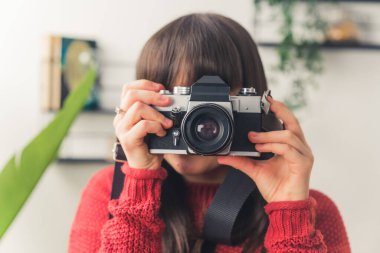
[24,169]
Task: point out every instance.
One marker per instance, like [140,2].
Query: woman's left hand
[284,177]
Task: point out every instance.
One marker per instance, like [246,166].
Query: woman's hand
[284,177]
[140,119]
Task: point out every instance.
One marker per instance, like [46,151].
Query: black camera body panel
[162,143]
[244,123]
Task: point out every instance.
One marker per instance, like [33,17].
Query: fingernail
[253,134]
[164,99]
[159,86]
[167,122]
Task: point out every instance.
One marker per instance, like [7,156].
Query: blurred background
[328,73]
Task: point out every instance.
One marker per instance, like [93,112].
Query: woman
[162,210]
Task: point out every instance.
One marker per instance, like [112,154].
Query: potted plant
[299,57]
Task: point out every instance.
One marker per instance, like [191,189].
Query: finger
[288,152]
[282,136]
[283,113]
[144,127]
[145,96]
[142,84]
[140,111]
[245,164]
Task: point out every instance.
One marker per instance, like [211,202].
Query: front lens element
[207,128]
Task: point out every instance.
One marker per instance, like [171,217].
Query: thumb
[244,164]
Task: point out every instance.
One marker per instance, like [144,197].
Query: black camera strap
[117,182]
[118,176]
[223,211]
[221,216]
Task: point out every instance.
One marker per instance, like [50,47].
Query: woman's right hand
[139,119]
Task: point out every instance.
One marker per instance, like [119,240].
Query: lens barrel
[207,129]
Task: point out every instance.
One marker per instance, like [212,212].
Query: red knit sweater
[313,225]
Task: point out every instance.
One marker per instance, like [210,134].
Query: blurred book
[65,62]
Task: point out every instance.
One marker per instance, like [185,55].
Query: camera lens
[207,128]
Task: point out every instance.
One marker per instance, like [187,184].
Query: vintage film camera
[208,121]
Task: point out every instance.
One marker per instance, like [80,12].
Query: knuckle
[288,134]
[114,122]
[115,125]
[130,94]
[275,106]
[152,98]
[312,158]
[156,126]
[309,165]
[138,105]
[144,124]
[125,88]
[126,140]
[118,131]
[287,148]
[145,82]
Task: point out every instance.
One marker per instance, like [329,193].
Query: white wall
[340,123]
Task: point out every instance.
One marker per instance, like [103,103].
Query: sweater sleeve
[135,226]
[308,226]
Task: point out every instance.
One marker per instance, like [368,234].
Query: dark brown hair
[181,52]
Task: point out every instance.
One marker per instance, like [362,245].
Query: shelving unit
[351,46]
[353,1]
[343,46]
[92,130]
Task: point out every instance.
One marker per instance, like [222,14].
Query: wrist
[290,196]
[153,164]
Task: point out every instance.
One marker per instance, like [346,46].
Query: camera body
[208,121]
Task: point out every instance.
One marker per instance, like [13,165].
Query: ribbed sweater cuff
[142,184]
[289,219]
